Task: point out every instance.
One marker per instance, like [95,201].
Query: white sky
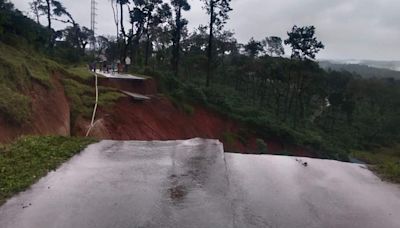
[350,29]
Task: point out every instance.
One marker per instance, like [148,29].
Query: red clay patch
[159,119]
[50,113]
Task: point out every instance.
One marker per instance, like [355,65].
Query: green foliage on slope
[18,68]
[385,161]
[28,159]
[79,88]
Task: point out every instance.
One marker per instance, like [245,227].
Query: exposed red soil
[159,119]
[155,119]
[50,113]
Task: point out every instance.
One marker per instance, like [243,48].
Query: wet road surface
[278,191]
[193,183]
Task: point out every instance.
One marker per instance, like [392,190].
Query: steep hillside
[32,97]
[40,97]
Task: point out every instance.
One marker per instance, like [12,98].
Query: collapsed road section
[192,183]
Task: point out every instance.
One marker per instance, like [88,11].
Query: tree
[273,45]
[114,6]
[156,13]
[124,38]
[303,42]
[225,45]
[35,9]
[180,23]
[218,11]
[52,9]
[111,49]
[5,7]
[253,48]
[78,37]
[102,43]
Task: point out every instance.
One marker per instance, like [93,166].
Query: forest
[278,95]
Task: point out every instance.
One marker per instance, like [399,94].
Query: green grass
[19,67]
[80,72]
[14,106]
[82,94]
[107,97]
[17,70]
[229,138]
[82,97]
[28,159]
[385,162]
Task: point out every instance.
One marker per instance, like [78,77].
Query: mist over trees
[289,98]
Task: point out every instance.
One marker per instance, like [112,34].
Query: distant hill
[363,69]
[390,65]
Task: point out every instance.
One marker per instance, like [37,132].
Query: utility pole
[93,14]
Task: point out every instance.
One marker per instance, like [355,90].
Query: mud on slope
[160,119]
[127,119]
[50,113]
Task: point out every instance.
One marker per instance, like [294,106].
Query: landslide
[41,97]
[31,102]
[162,119]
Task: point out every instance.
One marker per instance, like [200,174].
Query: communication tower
[93,14]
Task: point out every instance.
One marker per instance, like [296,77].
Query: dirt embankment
[154,119]
[160,119]
[50,113]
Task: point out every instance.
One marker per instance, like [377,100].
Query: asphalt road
[194,184]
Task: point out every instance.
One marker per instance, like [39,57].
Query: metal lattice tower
[93,14]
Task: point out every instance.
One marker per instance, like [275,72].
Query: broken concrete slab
[129,184]
[192,183]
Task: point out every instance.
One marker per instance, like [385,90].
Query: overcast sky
[350,29]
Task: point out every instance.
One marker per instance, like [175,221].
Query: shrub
[14,106]
[262,146]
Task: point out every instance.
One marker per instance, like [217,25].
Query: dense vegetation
[25,57]
[288,98]
[28,159]
[385,161]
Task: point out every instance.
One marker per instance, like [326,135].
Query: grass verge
[25,161]
[385,162]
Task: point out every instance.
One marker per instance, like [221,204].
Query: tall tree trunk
[124,44]
[115,13]
[49,23]
[147,54]
[210,44]
[48,14]
[147,51]
[177,42]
